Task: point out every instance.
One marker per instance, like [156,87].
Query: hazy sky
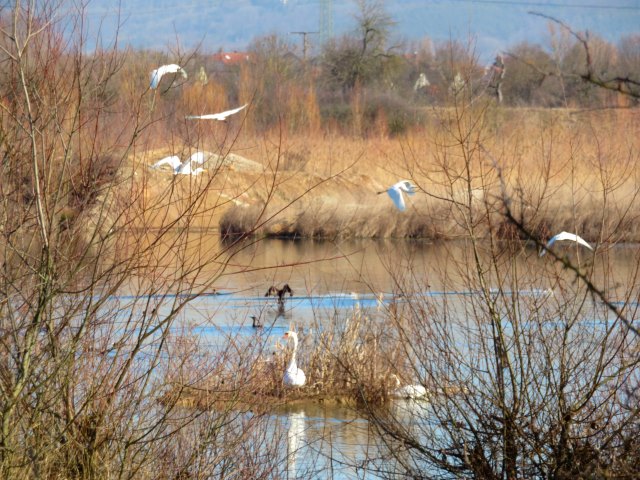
[232,24]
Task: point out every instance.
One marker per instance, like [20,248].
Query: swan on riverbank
[178,167]
[395,192]
[407,391]
[293,376]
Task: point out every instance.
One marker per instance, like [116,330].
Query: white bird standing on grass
[564,236]
[157,74]
[173,161]
[178,167]
[198,157]
[293,376]
[395,192]
[222,116]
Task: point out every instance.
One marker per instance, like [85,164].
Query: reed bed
[561,171]
[348,360]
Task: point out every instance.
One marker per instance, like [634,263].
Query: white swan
[157,74]
[293,376]
[173,161]
[179,168]
[198,157]
[562,236]
[185,169]
[222,116]
[395,192]
[407,391]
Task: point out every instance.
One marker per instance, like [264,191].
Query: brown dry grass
[345,361]
[563,171]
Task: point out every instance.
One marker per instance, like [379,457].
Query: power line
[326,20]
[550,4]
[326,6]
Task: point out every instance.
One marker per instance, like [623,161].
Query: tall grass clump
[347,359]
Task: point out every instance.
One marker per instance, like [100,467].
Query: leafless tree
[531,368]
[98,275]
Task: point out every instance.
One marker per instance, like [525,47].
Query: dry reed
[346,360]
[562,172]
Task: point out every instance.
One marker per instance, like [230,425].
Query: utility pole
[304,42]
[326,20]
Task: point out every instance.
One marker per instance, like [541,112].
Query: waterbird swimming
[564,236]
[222,116]
[158,73]
[395,192]
[256,323]
[293,376]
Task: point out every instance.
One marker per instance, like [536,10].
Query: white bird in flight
[216,116]
[157,74]
[395,192]
[563,236]
[178,167]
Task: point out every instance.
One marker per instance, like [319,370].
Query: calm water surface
[332,279]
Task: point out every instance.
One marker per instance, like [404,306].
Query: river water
[331,279]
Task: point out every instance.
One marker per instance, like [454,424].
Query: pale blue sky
[232,24]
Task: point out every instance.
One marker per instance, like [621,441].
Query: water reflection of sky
[369,267]
[322,439]
[332,281]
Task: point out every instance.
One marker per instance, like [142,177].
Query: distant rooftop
[231,58]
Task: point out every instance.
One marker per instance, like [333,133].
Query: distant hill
[232,24]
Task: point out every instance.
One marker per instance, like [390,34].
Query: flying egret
[216,116]
[395,192]
[178,168]
[157,74]
[563,236]
[293,376]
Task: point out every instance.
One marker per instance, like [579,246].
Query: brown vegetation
[93,383]
[346,360]
[561,171]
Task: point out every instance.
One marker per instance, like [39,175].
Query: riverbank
[555,171]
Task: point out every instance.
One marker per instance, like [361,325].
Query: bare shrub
[92,299]
[528,364]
